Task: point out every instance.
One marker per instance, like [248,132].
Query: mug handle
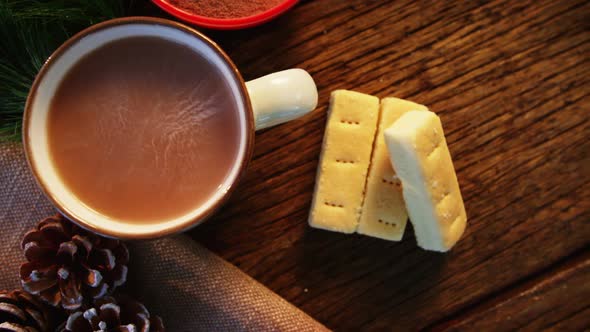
[282,96]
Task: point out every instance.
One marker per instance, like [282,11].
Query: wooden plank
[576,322]
[555,300]
[509,80]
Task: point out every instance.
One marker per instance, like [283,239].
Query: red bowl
[226,23]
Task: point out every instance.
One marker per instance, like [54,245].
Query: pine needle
[30,30]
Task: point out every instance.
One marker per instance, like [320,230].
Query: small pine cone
[21,312]
[69,266]
[110,314]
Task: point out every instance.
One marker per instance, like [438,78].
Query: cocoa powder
[225,8]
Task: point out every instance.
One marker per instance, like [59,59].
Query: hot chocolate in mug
[141,127]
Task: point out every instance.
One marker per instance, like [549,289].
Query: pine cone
[114,314]
[21,312]
[69,266]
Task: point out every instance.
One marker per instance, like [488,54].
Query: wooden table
[511,82]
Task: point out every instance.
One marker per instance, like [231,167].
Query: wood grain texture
[552,301]
[510,81]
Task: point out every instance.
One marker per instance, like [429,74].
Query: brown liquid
[143,129]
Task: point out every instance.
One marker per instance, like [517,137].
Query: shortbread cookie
[420,157]
[344,161]
[384,212]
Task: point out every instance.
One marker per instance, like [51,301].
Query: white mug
[263,102]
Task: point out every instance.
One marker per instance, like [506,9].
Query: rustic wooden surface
[555,301]
[511,82]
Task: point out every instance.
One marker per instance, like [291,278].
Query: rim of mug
[249,135]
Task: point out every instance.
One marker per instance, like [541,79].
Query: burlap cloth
[191,288]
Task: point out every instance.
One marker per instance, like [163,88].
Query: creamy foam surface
[143,130]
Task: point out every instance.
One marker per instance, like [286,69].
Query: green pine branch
[30,30]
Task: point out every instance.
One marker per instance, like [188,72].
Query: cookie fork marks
[334,205]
